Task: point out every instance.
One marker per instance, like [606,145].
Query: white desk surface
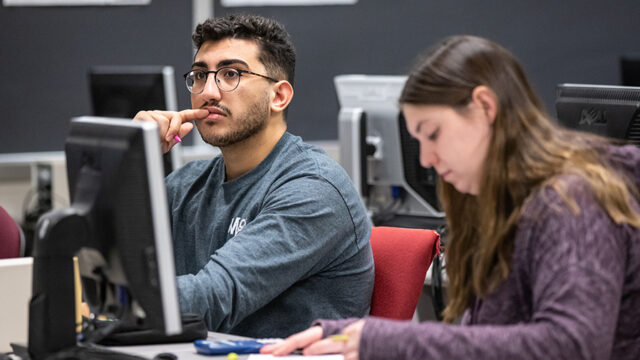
[186,351]
[181,350]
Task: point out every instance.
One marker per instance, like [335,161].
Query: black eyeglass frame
[215,75]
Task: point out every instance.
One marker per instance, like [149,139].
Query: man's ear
[487,100]
[282,95]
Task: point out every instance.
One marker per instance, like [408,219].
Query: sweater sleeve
[304,228]
[332,327]
[576,271]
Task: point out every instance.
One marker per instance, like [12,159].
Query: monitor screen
[117,225]
[611,111]
[123,91]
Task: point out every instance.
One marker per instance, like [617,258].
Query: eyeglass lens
[226,79]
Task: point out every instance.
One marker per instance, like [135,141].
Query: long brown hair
[527,151]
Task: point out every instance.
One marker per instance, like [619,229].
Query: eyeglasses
[227,79]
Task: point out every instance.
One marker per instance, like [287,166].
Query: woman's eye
[434,135]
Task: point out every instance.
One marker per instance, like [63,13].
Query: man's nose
[211,90]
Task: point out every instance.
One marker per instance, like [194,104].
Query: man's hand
[172,123]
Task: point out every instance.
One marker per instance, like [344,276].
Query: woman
[543,255]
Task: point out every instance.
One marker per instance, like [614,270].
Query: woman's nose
[428,157]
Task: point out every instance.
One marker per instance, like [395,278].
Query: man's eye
[229,74]
[199,75]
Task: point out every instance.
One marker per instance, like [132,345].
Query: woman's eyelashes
[434,134]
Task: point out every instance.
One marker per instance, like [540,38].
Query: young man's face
[234,115]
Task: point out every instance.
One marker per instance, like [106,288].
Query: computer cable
[437,289]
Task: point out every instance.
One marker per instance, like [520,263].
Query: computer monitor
[630,70]
[123,91]
[607,110]
[117,225]
[378,152]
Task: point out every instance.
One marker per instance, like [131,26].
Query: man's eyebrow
[201,64]
[221,64]
[228,62]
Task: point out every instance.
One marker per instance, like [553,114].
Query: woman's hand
[296,341]
[310,340]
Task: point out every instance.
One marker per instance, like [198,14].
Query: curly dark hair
[276,49]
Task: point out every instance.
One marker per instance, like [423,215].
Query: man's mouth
[215,113]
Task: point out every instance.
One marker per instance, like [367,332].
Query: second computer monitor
[377,150]
[121,91]
[607,110]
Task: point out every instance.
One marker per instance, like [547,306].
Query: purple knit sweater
[573,291]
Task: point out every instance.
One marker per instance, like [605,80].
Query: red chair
[10,237]
[401,257]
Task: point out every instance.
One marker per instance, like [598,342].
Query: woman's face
[453,142]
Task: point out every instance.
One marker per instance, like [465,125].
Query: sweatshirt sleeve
[304,228]
[576,271]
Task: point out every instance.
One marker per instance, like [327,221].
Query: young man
[271,234]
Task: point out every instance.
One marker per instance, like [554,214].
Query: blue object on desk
[223,347]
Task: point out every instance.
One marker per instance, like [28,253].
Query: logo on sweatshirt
[236,225]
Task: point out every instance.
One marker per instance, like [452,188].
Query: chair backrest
[10,237]
[401,257]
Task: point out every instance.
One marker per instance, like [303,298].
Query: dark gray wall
[556,41]
[45,51]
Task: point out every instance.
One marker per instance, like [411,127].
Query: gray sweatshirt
[264,254]
[573,291]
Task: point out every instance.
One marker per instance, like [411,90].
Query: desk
[181,350]
[184,351]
